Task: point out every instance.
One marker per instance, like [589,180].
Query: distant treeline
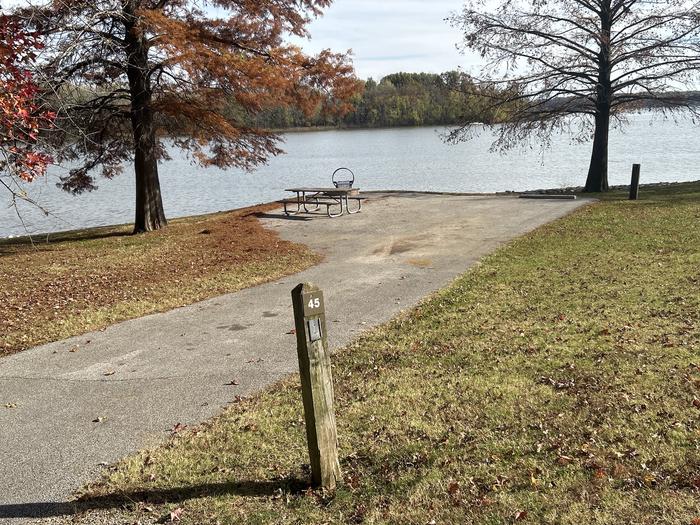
[422,99]
[401,99]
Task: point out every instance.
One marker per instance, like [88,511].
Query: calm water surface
[405,159]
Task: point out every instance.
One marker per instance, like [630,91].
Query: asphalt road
[174,367]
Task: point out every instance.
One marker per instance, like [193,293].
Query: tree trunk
[149,204]
[597,180]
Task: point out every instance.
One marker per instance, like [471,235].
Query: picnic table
[336,200]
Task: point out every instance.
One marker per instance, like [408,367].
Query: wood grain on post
[316,385]
[634,187]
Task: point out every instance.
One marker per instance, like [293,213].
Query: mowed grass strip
[557,382]
[86,280]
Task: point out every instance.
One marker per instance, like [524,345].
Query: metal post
[634,187]
[316,384]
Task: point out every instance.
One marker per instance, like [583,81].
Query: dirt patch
[402,247]
[84,280]
[420,262]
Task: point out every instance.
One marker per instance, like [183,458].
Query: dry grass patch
[86,280]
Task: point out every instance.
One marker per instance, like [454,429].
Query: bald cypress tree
[128,73]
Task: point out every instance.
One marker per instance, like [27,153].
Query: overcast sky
[388,36]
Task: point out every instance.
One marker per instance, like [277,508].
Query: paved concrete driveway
[174,367]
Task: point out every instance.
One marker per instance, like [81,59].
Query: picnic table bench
[335,199]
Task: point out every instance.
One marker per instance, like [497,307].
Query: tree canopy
[125,74]
[586,58]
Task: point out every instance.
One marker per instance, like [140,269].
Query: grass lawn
[557,382]
[88,279]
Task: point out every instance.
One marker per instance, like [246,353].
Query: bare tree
[594,59]
[129,74]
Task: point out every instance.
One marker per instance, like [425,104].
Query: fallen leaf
[696,403]
[453,488]
[109,373]
[74,349]
[175,515]
[696,521]
[99,419]
[564,460]
[179,427]
[520,515]
[534,481]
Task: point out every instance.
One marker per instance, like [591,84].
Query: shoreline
[579,189]
[30,238]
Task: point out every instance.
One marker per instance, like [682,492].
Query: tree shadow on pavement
[265,215]
[252,489]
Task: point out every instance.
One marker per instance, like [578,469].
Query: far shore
[307,129]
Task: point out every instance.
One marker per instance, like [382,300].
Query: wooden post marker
[316,384]
[634,187]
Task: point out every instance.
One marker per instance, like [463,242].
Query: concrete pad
[71,418]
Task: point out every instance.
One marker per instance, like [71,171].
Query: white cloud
[392,35]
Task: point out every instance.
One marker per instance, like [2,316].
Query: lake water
[397,159]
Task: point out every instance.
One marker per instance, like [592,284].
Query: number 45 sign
[313,303]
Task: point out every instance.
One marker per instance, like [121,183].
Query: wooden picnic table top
[337,191]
